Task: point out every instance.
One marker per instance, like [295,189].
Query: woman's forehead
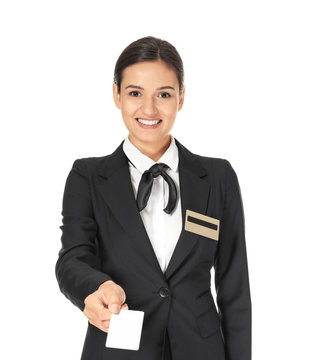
[150,72]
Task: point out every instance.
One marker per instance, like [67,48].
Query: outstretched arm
[78,266]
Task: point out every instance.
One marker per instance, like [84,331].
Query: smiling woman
[144,225]
[149,94]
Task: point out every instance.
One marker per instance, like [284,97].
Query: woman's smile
[148,124]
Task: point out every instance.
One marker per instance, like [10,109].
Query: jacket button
[164,292]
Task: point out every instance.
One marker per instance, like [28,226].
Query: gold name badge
[202,224]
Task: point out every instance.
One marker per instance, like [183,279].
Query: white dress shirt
[163,229]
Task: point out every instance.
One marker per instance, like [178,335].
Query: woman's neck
[153,150]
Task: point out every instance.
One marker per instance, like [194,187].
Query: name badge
[202,224]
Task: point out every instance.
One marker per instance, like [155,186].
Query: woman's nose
[148,106]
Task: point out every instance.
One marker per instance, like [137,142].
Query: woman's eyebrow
[159,88]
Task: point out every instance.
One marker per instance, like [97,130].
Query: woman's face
[149,92]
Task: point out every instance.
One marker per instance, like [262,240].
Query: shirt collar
[142,162]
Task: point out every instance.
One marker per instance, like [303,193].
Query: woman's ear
[181,99]
[116,96]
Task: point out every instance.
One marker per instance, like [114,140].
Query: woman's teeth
[148,122]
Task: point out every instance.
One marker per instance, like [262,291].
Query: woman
[143,226]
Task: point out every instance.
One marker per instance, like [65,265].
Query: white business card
[125,329]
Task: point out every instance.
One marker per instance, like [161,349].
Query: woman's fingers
[104,324]
[102,303]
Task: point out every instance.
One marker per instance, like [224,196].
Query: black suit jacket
[103,237]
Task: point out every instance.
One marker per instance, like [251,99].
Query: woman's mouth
[148,124]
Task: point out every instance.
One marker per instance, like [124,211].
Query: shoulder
[221,174]
[217,167]
[215,164]
[89,165]
[220,165]
[221,170]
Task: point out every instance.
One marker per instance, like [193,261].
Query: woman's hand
[100,304]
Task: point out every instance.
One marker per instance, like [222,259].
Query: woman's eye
[134,93]
[165,95]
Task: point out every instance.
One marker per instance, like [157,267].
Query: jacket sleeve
[78,265]
[231,273]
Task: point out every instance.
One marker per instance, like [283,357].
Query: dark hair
[149,48]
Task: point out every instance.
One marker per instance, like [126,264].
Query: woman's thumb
[114,307]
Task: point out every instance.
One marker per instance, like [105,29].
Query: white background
[250,76]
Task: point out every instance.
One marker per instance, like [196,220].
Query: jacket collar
[142,162]
[118,159]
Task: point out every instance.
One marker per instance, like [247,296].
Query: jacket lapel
[116,189]
[194,196]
